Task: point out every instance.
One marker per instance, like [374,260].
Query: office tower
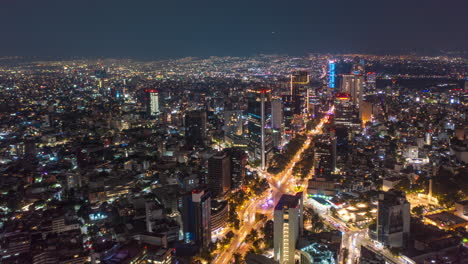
[276,120]
[195,128]
[466,86]
[219,174]
[233,122]
[288,225]
[238,162]
[353,85]
[299,91]
[152,102]
[331,74]
[325,154]
[346,113]
[259,117]
[196,214]
[393,218]
[288,115]
[371,82]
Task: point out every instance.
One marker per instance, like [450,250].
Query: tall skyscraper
[276,120]
[259,117]
[288,115]
[152,102]
[346,113]
[288,225]
[331,74]
[299,91]
[219,174]
[371,82]
[353,85]
[195,128]
[196,214]
[238,162]
[393,219]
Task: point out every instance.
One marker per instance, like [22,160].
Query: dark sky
[174,28]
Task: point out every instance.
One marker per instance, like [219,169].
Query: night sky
[175,28]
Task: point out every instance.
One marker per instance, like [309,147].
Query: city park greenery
[280,160]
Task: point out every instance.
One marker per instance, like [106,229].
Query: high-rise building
[353,85]
[276,120]
[152,102]
[346,113]
[371,82]
[233,122]
[196,214]
[288,225]
[331,74]
[288,115]
[259,118]
[238,162]
[195,128]
[219,173]
[299,91]
[393,219]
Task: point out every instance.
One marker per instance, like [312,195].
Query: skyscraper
[353,85]
[259,117]
[288,116]
[219,174]
[371,82]
[346,113]
[393,218]
[299,91]
[288,225]
[196,214]
[331,74]
[233,122]
[152,102]
[238,162]
[276,120]
[195,128]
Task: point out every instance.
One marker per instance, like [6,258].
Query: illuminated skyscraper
[353,85]
[233,122]
[152,102]
[346,114]
[276,120]
[299,91]
[371,82]
[259,117]
[331,74]
[288,225]
[288,115]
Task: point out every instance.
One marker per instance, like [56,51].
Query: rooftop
[288,201]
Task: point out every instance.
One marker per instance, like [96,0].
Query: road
[280,184]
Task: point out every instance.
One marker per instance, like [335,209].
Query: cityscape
[278,156]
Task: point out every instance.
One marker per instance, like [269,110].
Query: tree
[238,258]
[418,210]
[252,236]
[206,255]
